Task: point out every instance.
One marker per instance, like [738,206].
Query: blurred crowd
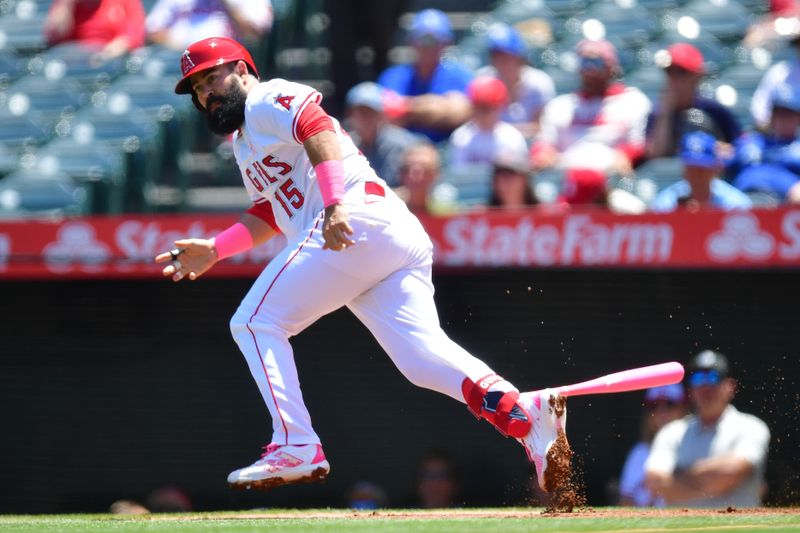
[459,122]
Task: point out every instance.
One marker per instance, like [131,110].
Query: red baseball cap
[601,48]
[583,185]
[487,91]
[209,53]
[687,57]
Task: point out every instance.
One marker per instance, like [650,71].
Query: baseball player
[351,241]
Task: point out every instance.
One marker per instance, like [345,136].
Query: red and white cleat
[549,414]
[281,465]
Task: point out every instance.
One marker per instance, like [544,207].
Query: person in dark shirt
[770,162]
[682,110]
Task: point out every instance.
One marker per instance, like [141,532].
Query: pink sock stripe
[330,177]
[233,240]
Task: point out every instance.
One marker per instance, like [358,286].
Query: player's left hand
[336,228]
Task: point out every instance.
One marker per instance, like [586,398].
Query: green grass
[484,521]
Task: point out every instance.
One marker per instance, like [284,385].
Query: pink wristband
[233,240]
[330,177]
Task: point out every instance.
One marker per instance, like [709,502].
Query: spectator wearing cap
[429,94]
[511,184]
[589,187]
[382,143]
[109,28]
[477,142]
[600,126]
[662,405]
[769,162]
[769,30]
[700,187]
[529,88]
[779,75]
[682,109]
[716,456]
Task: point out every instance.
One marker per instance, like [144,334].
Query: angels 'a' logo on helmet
[186,62]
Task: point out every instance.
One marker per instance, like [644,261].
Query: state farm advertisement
[125,246]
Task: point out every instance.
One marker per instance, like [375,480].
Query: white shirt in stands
[188,21]
[274,165]
[471,145]
[587,131]
[534,90]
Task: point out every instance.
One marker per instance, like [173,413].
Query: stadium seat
[52,99]
[22,34]
[8,161]
[78,62]
[547,184]
[726,20]
[627,22]
[23,131]
[650,80]
[473,183]
[137,135]
[31,193]
[661,172]
[98,166]
[10,68]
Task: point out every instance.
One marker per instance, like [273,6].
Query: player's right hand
[194,258]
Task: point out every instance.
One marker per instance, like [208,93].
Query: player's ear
[240,68]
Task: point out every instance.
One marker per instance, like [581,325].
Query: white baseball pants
[385,280]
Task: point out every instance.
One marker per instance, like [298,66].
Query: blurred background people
[590,187]
[365,496]
[417,176]
[701,186]
[661,406]
[167,499]
[600,126]
[110,28]
[769,162]
[767,31]
[681,109]
[478,141]
[382,143]
[511,184]
[715,457]
[438,481]
[178,23]
[429,94]
[780,74]
[529,88]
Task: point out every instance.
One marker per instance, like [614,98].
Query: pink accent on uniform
[313,120]
[330,177]
[252,334]
[233,240]
[319,457]
[537,402]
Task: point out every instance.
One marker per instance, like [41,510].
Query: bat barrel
[627,380]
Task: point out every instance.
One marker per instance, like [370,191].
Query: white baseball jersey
[273,161]
[384,278]
[587,130]
[470,145]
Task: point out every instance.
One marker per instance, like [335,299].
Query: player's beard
[228,116]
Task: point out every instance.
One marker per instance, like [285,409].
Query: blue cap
[671,393]
[698,148]
[786,96]
[367,94]
[504,38]
[431,23]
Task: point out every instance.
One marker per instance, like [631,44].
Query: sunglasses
[592,63]
[705,377]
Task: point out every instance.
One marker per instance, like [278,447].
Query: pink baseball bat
[627,380]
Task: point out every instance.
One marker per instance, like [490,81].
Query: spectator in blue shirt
[382,143]
[700,186]
[682,109]
[430,93]
[770,162]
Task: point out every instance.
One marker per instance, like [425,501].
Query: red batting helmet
[209,53]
